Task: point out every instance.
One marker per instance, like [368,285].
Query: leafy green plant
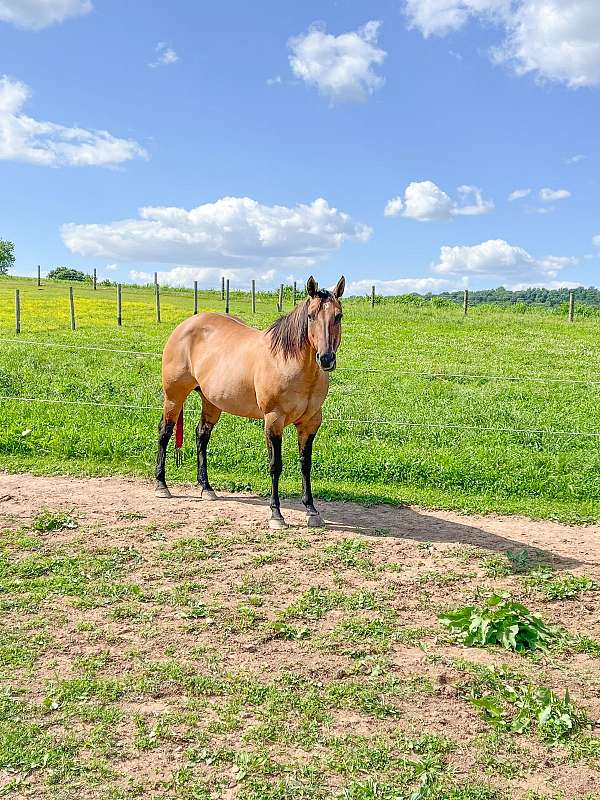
[47,521]
[503,622]
[511,703]
[563,587]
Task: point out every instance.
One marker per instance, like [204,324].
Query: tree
[7,256]
[67,274]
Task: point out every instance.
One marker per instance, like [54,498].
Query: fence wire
[393,370]
[345,420]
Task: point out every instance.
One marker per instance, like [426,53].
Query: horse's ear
[311,287]
[339,288]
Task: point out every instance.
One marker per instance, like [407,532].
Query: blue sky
[349,127]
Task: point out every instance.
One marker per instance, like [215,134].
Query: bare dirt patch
[179,649]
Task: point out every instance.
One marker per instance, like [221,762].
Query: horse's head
[325,321]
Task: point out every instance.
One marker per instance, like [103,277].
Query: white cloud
[38,14]
[518,194]
[341,67]
[549,195]
[233,231]
[399,286]
[596,240]
[440,17]
[556,40]
[209,277]
[23,138]
[166,55]
[501,261]
[575,159]
[111,267]
[425,201]
[274,81]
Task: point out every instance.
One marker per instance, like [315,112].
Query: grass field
[152,650]
[539,474]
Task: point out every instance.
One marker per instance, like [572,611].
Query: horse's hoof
[277,524]
[208,494]
[315,521]
[162,491]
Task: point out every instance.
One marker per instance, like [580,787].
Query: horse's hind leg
[174,399]
[210,417]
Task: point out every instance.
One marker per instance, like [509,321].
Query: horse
[279,375]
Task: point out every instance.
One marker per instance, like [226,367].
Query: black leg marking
[275,468]
[305,466]
[165,430]
[203,431]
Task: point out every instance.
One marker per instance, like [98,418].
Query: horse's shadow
[404,523]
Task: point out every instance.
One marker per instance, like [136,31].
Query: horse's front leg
[274,433]
[307,430]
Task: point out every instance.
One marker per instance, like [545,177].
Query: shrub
[67,274]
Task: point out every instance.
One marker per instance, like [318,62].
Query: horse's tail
[179,439]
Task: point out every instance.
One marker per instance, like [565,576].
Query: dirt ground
[24,495]
[414,561]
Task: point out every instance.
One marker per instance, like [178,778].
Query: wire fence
[345,420]
[393,370]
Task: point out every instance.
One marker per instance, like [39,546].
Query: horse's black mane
[289,334]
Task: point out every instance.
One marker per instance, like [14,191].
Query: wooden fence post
[17,311]
[156,278]
[571,307]
[227,297]
[195,297]
[72,307]
[119,304]
[294,294]
[280,299]
[157,299]
[372,297]
[253,296]
[39,277]
[95,279]
[222,287]
[466,302]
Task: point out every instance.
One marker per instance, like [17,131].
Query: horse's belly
[233,399]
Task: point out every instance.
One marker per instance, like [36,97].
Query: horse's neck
[309,366]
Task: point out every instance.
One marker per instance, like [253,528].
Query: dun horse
[279,375]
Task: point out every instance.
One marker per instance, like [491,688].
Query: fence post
[372,297]
[157,297]
[227,297]
[294,294]
[72,307]
[223,287]
[571,307]
[119,316]
[253,296]
[17,311]
[195,297]
[95,278]
[156,278]
[466,302]
[39,277]
[280,299]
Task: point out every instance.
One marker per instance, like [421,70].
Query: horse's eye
[338,317]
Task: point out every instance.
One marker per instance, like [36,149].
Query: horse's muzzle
[326,361]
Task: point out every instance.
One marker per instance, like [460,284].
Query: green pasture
[384,353]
